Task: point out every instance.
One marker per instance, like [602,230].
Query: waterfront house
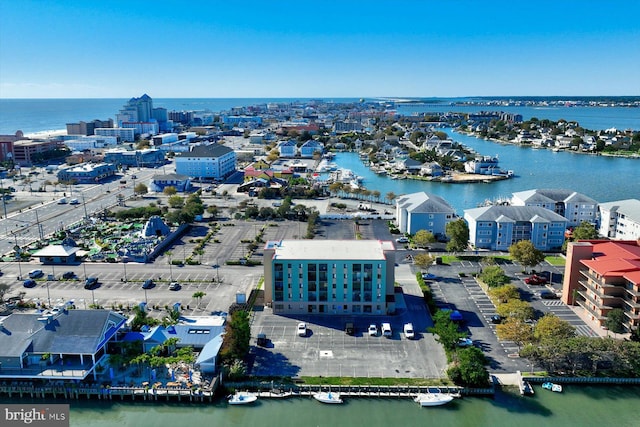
[498,227]
[423,211]
[61,344]
[602,275]
[329,277]
[212,161]
[202,333]
[483,165]
[620,219]
[575,207]
[431,169]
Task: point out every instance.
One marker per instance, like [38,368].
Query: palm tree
[376,195]
[198,297]
[390,196]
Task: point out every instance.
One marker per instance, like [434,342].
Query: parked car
[465,342]
[535,280]
[547,294]
[373,330]
[34,274]
[428,276]
[29,283]
[408,331]
[174,286]
[349,329]
[148,284]
[68,275]
[496,319]
[74,202]
[302,329]
[91,283]
[402,240]
[262,340]
[386,330]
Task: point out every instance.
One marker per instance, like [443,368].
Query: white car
[373,330]
[402,240]
[408,331]
[302,329]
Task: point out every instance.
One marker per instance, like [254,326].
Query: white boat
[242,398]
[552,386]
[433,399]
[327,397]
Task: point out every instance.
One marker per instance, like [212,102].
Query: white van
[386,330]
[408,331]
[62,201]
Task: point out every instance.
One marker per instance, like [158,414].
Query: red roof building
[601,275]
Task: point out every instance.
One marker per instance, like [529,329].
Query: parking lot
[328,351]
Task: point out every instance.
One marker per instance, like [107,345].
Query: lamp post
[48,296]
[84,268]
[124,266]
[145,296]
[93,297]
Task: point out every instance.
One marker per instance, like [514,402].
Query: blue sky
[193,48]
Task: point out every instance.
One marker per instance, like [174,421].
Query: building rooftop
[552,196]
[514,213]
[330,249]
[424,202]
[629,208]
[211,150]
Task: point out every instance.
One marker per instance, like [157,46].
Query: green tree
[198,297]
[423,260]
[585,231]
[458,233]
[469,369]
[516,309]
[494,276]
[423,238]
[176,202]
[502,294]
[516,330]
[169,191]
[446,330]
[235,343]
[390,196]
[551,328]
[140,189]
[526,254]
[615,321]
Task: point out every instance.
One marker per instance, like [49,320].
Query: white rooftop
[331,249]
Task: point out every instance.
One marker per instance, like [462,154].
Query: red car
[535,280]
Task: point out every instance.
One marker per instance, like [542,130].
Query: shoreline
[561,150]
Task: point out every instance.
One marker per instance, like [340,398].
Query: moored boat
[327,397]
[433,399]
[242,398]
[552,386]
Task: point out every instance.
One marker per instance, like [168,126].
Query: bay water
[580,406]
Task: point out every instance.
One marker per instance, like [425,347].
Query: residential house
[311,147]
[329,277]
[498,227]
[61,344]
[288,148]
[181,183]
[423,211]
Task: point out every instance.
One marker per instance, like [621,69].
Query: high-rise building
[136,110]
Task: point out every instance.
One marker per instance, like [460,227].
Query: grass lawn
[555,260]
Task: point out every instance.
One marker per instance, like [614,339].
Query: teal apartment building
[330,277]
